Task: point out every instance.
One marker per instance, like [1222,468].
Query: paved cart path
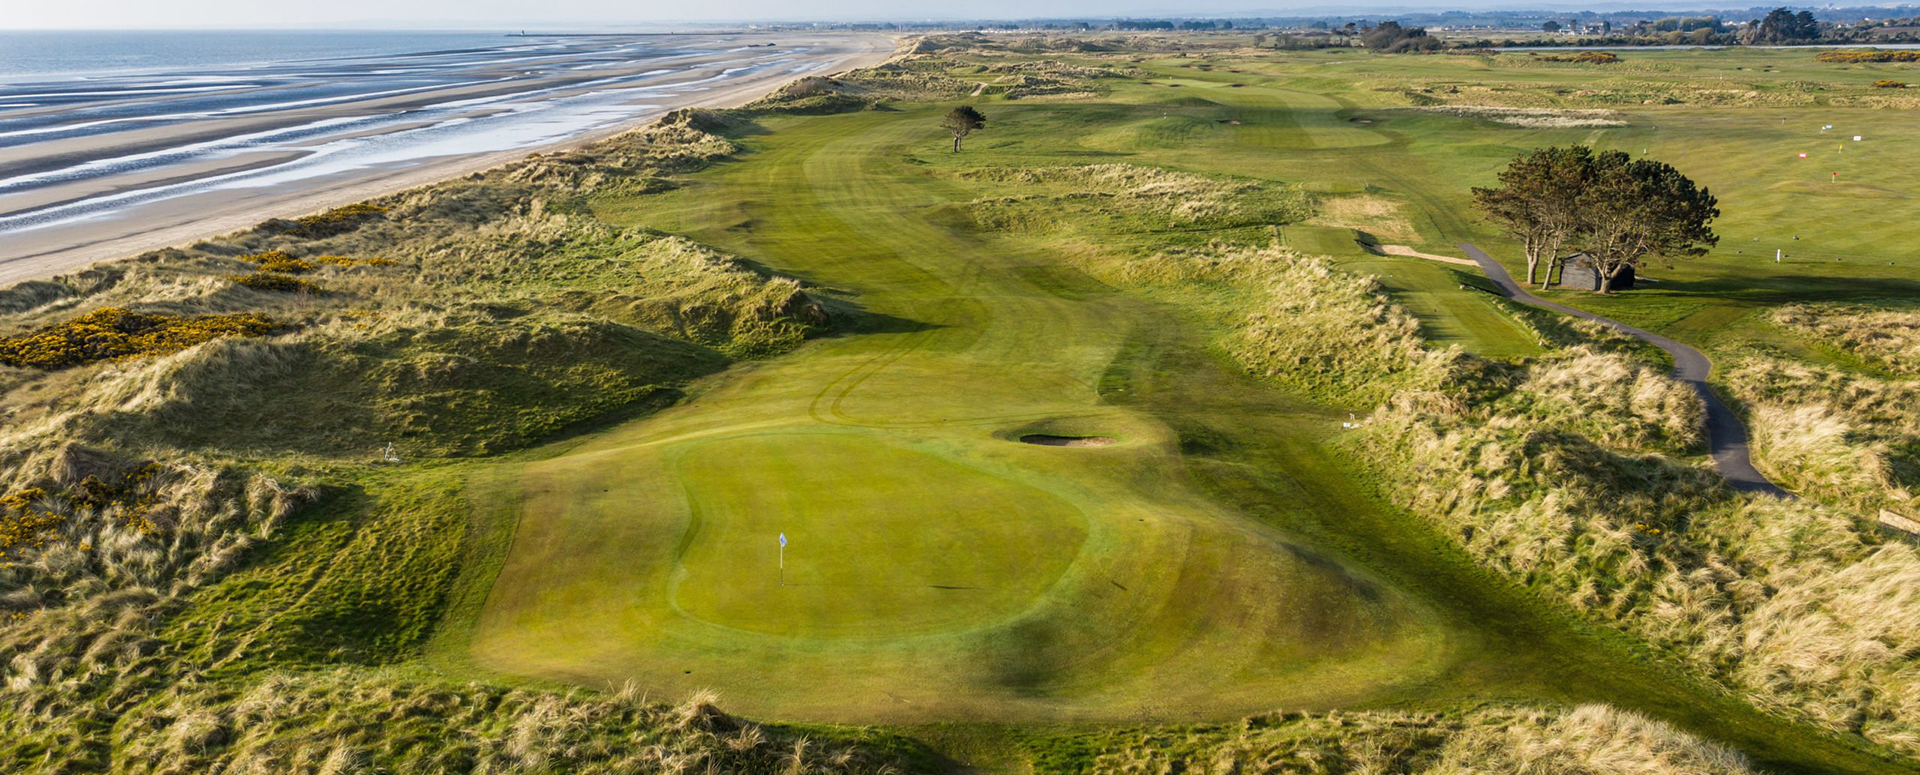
[1726,436]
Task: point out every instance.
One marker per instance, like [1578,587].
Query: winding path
[1726,436]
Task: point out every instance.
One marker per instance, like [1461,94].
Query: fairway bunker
[1051,440]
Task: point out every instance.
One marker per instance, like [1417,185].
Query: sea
[97,125]
[58,54]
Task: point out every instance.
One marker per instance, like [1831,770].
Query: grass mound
[1845,438]
[1552,476]
[349,721]
[1126,198]
[1576,741]
[1886,337]
[112,333]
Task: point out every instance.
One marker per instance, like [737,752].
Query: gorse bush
[1888,83]
[274,283]
[112,333]
[24,523]
[1858,57]
[332,222]
[279,261]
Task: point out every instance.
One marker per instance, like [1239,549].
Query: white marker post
[783,559]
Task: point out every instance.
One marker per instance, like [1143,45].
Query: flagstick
[783,563]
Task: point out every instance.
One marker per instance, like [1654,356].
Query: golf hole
[1051,440]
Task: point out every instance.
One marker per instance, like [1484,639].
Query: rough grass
[1576,741]
[1846,438]
[1130,198]
[1558,476]
[354,721]
[1886,337]
[496,315]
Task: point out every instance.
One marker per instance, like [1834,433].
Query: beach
[102,167]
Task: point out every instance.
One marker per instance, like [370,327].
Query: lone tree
[1537,202]
[1618,210]
[1635,209]
[962,121]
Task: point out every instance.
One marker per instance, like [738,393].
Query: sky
[555,14]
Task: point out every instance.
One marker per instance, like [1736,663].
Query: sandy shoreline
[45,252]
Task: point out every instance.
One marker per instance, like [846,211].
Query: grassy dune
[619,374]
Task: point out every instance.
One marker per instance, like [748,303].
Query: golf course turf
[1218,558]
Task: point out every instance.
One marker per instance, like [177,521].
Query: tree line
[1616,211]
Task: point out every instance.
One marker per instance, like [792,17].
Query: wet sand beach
[103,167]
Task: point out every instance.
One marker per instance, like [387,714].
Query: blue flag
[783,540]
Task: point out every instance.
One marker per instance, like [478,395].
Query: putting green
[887,540]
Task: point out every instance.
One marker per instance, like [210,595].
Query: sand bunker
[1050,440]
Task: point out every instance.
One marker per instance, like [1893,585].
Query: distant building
[1575,272]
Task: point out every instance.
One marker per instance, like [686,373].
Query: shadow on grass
[1786,289]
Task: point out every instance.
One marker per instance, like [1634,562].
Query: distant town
[1426,30]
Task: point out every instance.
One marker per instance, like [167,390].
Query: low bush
[1584,57]
[1856,57]
[279,261]
[1888,83]
[339,220]
[274,283]
[112,333]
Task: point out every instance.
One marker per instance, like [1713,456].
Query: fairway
[1218,558]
